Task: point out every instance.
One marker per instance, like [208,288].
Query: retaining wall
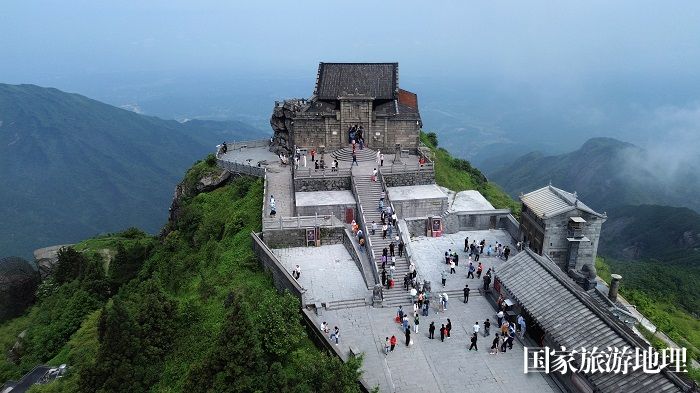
[282,279]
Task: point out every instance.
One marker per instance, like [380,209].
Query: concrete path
[432,365]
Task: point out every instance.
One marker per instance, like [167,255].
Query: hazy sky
[552,40]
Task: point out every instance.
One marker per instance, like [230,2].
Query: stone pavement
[429,256]
[431,365]
[328,273]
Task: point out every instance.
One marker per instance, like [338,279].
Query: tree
[432,139]
[69,266]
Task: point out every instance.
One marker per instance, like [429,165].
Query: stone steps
[342,304]
[345,154]
[368,196]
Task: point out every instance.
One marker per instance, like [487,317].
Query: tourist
[443,275]
[416,321]
[448,327]
[487,280]
[412,270]
[473,344]
[335,335]
[296,162]
[297,272]
[448,257]
[404,323]
[374,228]
[360,234]
[466,293]
[354,227]
[316,165]
[374,174]
[488,251]
[313,154]
[354,159]
[506,253]
[392,270]
[494,346]
[413,293]
[443,331]
[499,316]
[383,277]
[476,327]
[487,327]
[521,322]
[455,258]
[443,298]
[383,195]
[381,160]
[336,165]
[509,340]
[426,306]
[394,218]
[415,307]
[431,330]
[391,230]
[452,267]
[421,297]
[401,246]
[504,328]
[479,270]
[362,243]
[392,341]
[324,327]
[466,243]
[399,314]
[385,228]
[379,155]
[387,345]
[470,270]
[408,336]
[333,166]
[406,281]
[361,141]
[391,248]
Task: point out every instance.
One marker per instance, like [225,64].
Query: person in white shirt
[324,327]
[476,327]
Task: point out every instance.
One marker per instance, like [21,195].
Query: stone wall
[282,279]
[556,246]
[356,253]
[409,178]
[468,221]
[338,183]
[296,237]
[420,207]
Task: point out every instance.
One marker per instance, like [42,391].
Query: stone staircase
[368,196]
[350,303]
[345,154]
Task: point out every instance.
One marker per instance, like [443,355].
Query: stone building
[348,94]
[556,224]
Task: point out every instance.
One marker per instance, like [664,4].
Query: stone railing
[361,222]
[244,169]
[301,173]
[247,144]
[326,220]
[407,168]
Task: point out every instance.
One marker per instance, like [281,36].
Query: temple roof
[573,319]
[550,201]
[376,80]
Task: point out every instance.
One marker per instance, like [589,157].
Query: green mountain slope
[72,167]
[605,173]
[192,311]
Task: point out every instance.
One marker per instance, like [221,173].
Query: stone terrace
[430,365]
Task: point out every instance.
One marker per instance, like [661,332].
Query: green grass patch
[459,175]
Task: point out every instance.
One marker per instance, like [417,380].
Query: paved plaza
[432,365]
[328,273]
[429,256]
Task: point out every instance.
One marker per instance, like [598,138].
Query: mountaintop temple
[365,95]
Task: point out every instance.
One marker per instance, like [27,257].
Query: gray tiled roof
[574,320]
[551,201]
[378,80]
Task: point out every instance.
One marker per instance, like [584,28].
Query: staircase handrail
[361,222]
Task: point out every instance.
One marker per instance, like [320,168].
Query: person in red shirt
[392,341]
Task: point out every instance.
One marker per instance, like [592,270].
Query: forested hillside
[72,167]
[191,311]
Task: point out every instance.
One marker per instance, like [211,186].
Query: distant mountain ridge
[605,173]
[72,167]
